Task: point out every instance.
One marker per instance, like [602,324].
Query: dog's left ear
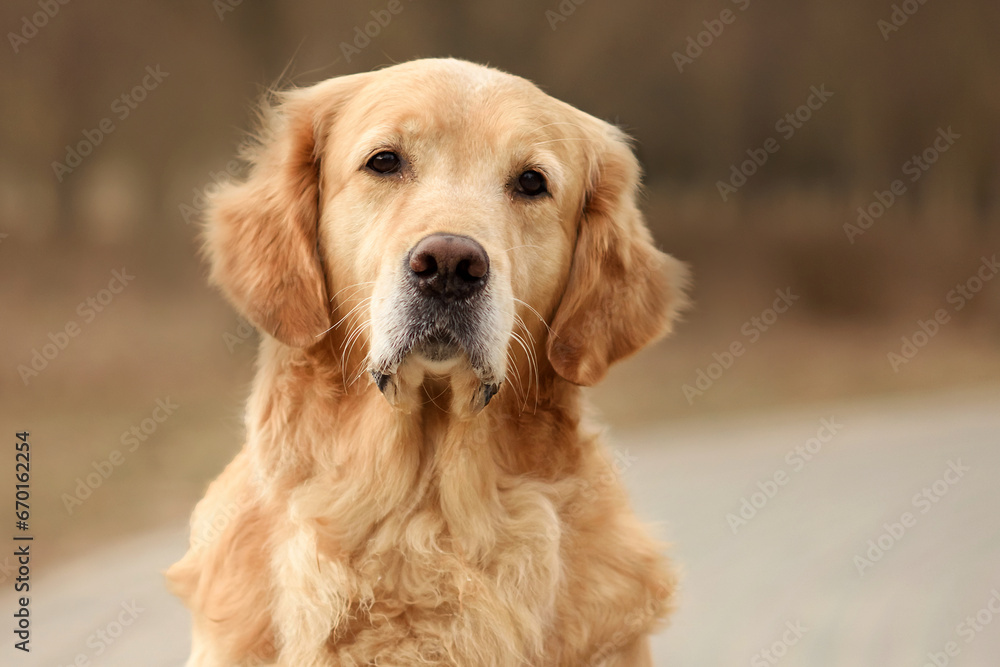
[261,233]
[622,292]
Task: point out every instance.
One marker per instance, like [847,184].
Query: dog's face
[454,199]
[447,221]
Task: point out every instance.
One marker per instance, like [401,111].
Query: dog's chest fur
[422,542]
[440,556]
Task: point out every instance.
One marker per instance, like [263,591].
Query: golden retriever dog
[438,256]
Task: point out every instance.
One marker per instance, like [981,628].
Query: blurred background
[844,155]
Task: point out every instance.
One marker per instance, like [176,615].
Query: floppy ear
[622,292]
[261,233]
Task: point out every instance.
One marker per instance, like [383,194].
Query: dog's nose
[449,265]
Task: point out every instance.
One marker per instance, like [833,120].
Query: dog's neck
[312,427]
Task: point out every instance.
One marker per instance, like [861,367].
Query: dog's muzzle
[444,296]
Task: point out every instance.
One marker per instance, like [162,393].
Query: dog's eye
[532,183]
[384,162]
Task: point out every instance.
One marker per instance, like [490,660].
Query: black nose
[449,265]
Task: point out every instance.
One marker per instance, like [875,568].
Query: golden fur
[354,531]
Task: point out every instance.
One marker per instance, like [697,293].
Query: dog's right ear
[261,233]
[622,293]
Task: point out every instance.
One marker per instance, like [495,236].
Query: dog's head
[440,221]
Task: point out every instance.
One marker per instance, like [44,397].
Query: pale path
[793,562]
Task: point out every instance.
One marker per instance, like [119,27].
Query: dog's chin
[439,349]
[437,358]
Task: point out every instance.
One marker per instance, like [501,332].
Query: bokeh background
[700,86]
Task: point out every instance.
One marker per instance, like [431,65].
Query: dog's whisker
[348,348]
[357,336]
[354,324]
[337,323]
[512,362]
[515,385]
[433,399]
[362,369]
[535,312]
[532,360]
[556,122]
[352,340]
[360,304]
[355,285]
[362,365]
[343,348]
[523,398]
[531,367]
[520,321]
[515,379]
[552,141]
[526,245]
